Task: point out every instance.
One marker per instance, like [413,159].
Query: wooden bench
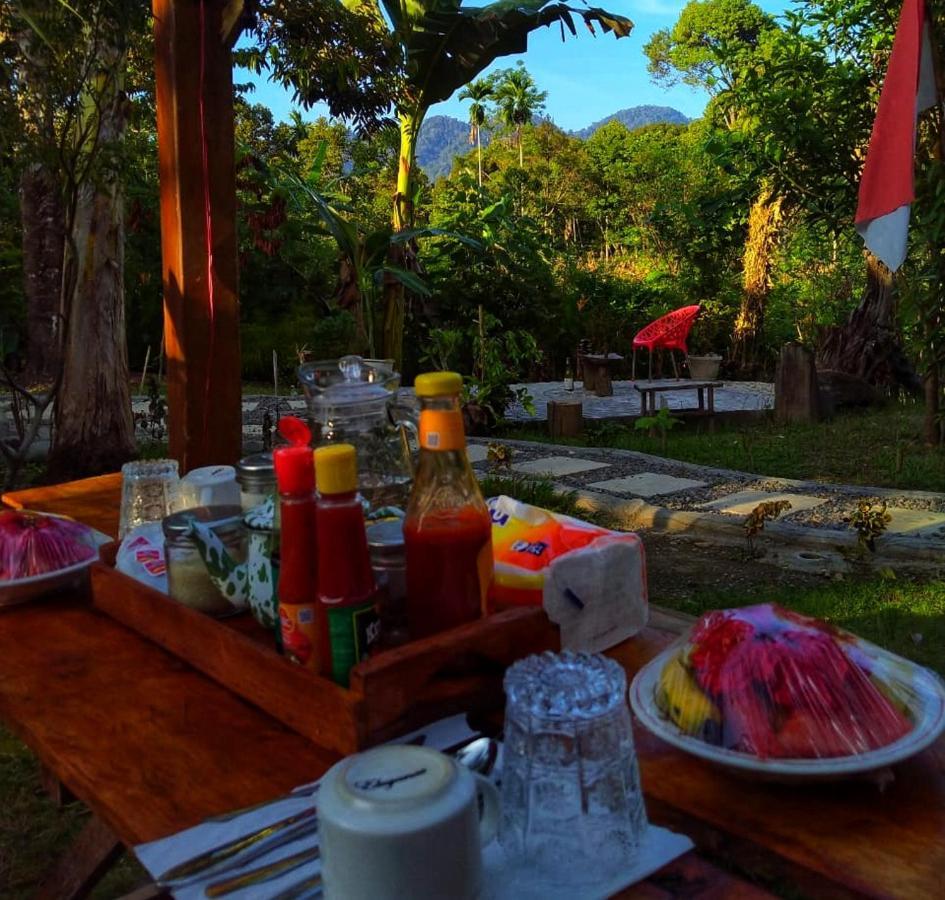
[706,392]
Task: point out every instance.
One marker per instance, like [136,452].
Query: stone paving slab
[558,465]
[916,522]
[647,484]
[741,503]
[731,397]
[477,453]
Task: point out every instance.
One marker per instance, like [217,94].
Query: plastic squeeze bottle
[448,530]
[303,638]
[346,588]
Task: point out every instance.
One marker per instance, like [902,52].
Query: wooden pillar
[194,81]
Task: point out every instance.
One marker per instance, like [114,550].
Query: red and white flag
[887,186]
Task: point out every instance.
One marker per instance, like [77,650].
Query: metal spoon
[478,755]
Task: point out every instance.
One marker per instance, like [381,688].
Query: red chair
[668,332]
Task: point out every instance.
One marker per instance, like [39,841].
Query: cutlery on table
[188,870]
[307,889]
[262,873]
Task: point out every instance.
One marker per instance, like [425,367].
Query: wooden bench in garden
[706,393]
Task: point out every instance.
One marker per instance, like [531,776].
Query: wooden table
[152,747]
[705,390]
[596,371]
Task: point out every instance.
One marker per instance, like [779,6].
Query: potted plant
[707,334]
[704,367]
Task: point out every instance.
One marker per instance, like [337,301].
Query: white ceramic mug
[403,821]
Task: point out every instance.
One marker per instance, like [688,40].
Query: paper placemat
[659,846]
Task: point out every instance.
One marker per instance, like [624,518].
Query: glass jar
[357,401]
[189,581]
[388,560]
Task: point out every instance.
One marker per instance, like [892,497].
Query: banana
[681,699]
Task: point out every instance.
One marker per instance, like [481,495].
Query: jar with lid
[256,476]
[189,579]
[358,401]
[386,545]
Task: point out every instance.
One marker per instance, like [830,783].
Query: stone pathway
[723,494]
[733,396]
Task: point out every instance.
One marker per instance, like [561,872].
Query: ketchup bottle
[302,629]
[346,587]
[448,530]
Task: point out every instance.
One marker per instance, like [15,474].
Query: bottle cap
[336,467]
[438,384]
[295,473]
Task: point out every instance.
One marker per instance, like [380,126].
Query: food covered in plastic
[772,683]
[37,544]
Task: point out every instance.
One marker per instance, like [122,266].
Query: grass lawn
[881,447]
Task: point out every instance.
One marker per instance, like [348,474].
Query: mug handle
[489,819]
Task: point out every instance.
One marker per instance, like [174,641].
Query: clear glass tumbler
[148,492]
[572,806]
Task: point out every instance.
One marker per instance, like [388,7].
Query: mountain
[637,117]
[442,137]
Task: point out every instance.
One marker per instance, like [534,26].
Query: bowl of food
[770,693]
[40,553]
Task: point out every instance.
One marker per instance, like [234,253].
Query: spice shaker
[386,544]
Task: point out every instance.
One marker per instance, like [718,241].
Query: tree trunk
[764,222]
[43,216]
[94,428]
[867,344]
[394,300]
[479,155]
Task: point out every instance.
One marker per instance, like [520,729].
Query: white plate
[19,590]
[927,712]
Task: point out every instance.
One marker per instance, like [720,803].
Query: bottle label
[442,429]
[299,633]
[353,631]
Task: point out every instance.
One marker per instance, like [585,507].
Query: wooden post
[565,418]
[194,82]
[796,391]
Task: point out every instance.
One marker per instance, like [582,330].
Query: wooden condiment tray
[459,670]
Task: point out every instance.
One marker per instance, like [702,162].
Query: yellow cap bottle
[336,469]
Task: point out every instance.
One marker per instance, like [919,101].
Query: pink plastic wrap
[775,684]
[37,544]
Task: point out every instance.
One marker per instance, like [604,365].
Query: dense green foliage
[578,238]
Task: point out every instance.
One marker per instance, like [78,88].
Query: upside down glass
[572,806]
[148,492]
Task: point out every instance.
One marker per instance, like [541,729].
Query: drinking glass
[572,807]
[148,492]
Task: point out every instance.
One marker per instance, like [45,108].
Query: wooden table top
[153,746]
[674,384]
[95,501]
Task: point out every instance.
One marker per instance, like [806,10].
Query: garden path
[645,491]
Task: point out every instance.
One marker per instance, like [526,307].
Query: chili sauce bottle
[303,639]
[347,591]
[447,530]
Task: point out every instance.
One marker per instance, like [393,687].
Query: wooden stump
[585,372]
[796,394]
[565,418]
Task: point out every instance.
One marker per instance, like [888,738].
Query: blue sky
[586,78]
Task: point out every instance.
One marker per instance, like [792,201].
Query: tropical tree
[712,43]
[519,101]
[411,54]
[72,90]
[478,91]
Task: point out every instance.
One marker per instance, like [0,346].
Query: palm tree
[479,91]
[519,100]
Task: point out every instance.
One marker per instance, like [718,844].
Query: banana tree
[445,46]
[410,53]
